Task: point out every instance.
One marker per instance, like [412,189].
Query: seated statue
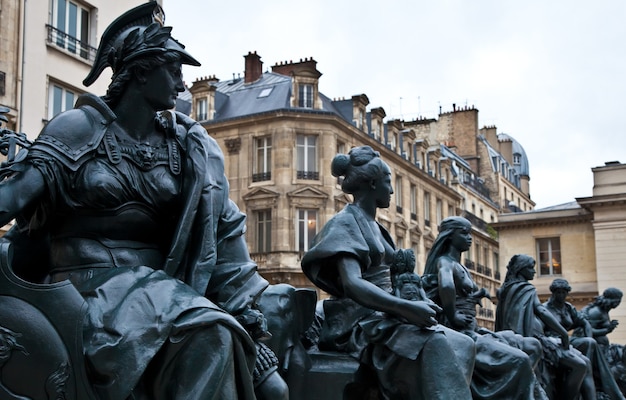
[597,313]
[570,319]
[505,361]
[128,201]
[399,340]
[520,310]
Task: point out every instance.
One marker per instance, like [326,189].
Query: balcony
[263,176]
[310,175]
[70,44]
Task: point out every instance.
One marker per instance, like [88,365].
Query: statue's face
[614,303]
[528,272]
[461,239]
[162,85]
[383,188]
[559,294]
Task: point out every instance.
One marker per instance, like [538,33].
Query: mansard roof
[271,92]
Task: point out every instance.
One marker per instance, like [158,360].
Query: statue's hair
[606,296]
[358,167]
[560,284]
[517,263]
[128,72]
[441,244]
[612,293]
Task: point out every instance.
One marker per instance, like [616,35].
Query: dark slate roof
[522,168]
[272,92]
[565,206]
[238,98]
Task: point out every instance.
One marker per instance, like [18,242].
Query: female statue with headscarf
[520,310]
[504,361]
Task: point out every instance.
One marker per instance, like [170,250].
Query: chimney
[254,67]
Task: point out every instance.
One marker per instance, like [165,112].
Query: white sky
[550,73]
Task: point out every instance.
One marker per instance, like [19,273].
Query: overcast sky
[548,73]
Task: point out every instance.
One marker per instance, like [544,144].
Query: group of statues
[128,201]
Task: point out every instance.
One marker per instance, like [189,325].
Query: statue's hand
[421,313]
[565,342]
[614,324]
[254,322]
[461,320]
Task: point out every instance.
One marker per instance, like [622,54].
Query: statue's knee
[273,388]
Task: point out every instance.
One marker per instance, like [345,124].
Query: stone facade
[262,136]
[591,233]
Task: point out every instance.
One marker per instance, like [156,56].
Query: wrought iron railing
[263,176]
[311,175]
[70,43]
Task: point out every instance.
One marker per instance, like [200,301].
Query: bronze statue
[505,361]
[520,310]
[597,313]
[128,201]
[570,319]
[413,357]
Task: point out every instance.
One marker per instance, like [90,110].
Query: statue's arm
[447,294]
[551,322]
[580,321]
[599,322]
[371,296]
[18,191]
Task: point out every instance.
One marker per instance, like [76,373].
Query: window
[264,231]
[59,99]
[201,109]
[398,190]
[549,256]
[439,210]
[70,28]
[413,202]
[265,92]
[341,149]
[306,146]
[263,162]
[305,96]
[426,208]
[517,159]
[2,83]
[394,142]
[307,228]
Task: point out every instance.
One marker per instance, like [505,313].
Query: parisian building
[279,134]
[581,241]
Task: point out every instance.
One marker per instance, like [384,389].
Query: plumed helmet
[136,33]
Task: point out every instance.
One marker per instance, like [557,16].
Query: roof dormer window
[305,96]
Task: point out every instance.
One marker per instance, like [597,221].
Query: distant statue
[597,313]
[505,361]
[405,282]
[413,357]
[520,310]
[571,319]
[128,200]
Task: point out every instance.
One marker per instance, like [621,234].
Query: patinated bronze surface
[565,372]
[398,339]
[505,361]
[571,319]
[125,204]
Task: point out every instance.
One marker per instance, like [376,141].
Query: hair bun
[339,165]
